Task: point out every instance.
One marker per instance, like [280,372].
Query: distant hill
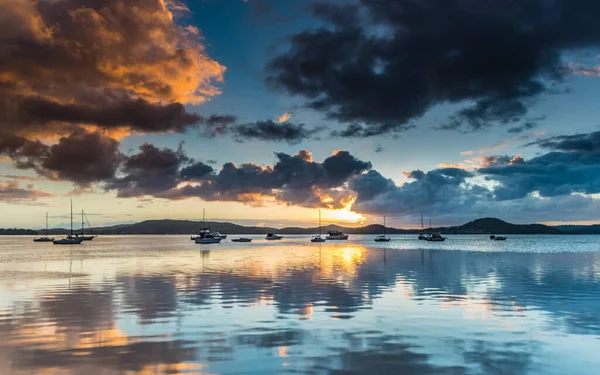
[579,229]
[490,225]
[166,226]
[17,232]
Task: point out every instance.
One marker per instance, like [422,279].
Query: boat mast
[421,221]
[319,222]
[82,222]
[71,217]
[384,226]
[88,223]
[46,224]
[430,227]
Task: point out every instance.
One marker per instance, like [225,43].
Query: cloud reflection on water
[339,308]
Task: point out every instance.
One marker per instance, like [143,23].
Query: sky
[261,112]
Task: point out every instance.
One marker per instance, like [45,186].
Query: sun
[345,215]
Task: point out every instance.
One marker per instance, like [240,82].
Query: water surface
[163,305]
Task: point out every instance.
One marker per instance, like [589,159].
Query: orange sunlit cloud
[88,69]
[284,118]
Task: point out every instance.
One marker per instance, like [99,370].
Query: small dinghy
[382,239]
[242,240]
[435,237]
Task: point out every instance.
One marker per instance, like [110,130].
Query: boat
[273,236]
[207,238]
[382,238]
[499,238]
[69,240]
[81,235]
[45,238]
[221,236]
[435,237]
[204,229]
[318,238]
[334,235]
[422,235]
[242,240]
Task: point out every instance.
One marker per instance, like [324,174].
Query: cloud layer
[83,73]
[294,179]
[559,182]
[378,65]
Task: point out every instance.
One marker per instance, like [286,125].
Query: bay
[164,305]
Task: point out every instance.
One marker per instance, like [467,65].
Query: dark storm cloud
[195,171]
[550,175]
[441,190]
[520,186]
[270,130]
[107,66]
[19,148]
[370,185]
[383,63]
[294,179]
[584,143]
[82,157]
[150,171]
[573,166]
[138,114]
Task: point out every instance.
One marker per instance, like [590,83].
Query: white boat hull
[206,241]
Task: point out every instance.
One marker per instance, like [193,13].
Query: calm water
[163,305]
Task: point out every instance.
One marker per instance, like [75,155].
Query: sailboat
[382,238]
[205,237]
[70,240]
[422,234]
[82,236]
[318,238]
[45,238]
[203,229]
[434,237]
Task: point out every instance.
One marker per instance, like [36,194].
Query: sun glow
[345,215]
